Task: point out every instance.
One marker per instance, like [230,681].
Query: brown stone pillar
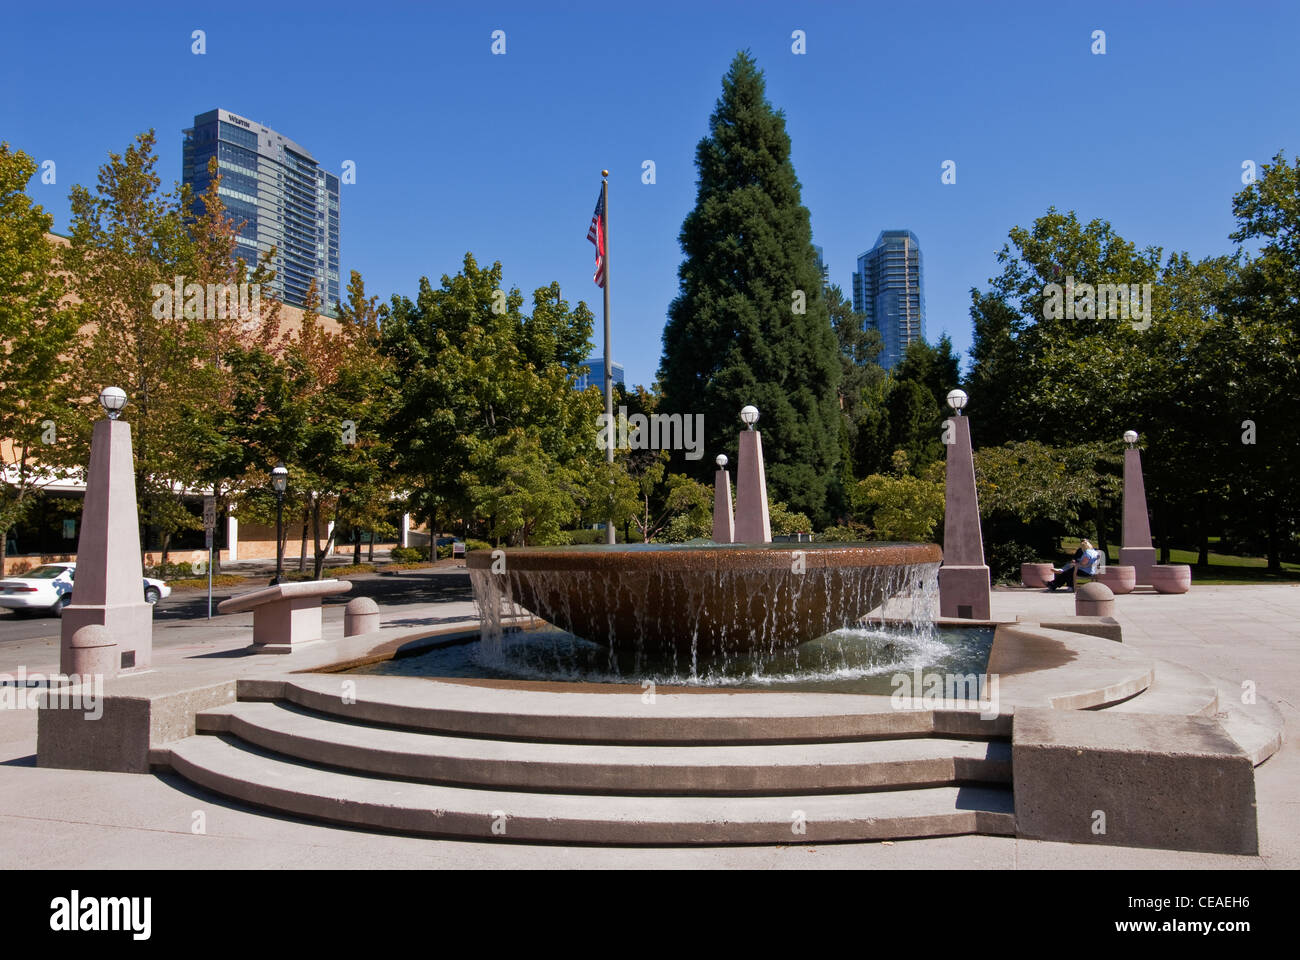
[109,586]
[964,577]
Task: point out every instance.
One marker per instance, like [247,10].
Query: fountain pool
[858,660]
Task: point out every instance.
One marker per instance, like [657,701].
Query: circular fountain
[701,600]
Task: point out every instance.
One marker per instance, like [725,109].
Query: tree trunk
[356,550]
[302,552]
[370,548]
[1274,544]
[318,556]
[1203,557]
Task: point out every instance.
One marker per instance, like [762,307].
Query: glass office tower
[887,288]
[592,373]
[286,200]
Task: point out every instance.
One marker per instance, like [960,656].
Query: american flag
[596,234]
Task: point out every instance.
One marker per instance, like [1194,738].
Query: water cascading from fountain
[732,612]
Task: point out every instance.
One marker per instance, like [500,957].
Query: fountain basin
[699,599]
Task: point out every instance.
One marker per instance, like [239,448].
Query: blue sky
[459,150]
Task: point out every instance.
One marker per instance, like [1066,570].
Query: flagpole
[610,536]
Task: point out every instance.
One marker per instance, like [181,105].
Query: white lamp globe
[1130,437]
[112,399]
[721,460]
[749,414]
[957,399]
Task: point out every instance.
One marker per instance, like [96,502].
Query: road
[387,590]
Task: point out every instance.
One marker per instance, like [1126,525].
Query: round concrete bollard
[1120,579]
[1035,574]
[1094,600]
[92,651]
[360,616]
[1171,578]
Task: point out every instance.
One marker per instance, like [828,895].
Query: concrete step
[601,768]
[1175,690]
[242,772]
[614,714]
[1257,727]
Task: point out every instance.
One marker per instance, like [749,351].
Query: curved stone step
[602,768]
[616,715]
[1258,728]
[1175,690]
[240,772]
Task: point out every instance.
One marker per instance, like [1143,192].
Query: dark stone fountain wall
[699,600]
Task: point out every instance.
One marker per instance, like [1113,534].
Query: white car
[49,588]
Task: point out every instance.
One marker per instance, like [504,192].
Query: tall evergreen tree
[750,322]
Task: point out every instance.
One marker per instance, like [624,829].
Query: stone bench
[1170,578]
[1121,579]
[1036,574]
[285,616]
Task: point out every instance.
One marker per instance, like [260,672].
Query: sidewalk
[79,819]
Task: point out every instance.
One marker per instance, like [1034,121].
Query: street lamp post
[279,483]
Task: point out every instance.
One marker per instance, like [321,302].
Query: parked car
[49,588]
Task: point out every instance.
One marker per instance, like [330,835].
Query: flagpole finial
[604,173]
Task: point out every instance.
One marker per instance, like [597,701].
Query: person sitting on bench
[1086,560]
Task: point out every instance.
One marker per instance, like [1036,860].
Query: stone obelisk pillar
[1136,551]
[724,526]
[753,522]
[964,577]
[109,587]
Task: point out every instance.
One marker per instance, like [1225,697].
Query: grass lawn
[1222,568]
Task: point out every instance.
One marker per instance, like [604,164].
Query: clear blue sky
[457,149]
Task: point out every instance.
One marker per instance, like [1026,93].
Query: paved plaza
[77,819]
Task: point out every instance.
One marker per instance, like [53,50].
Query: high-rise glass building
[887,289]
[283,196]
[592,373]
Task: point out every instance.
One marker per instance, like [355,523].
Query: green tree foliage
[483,386]
[129,240]
[1255,353]
[864,421]
[786,522]
[1066,381]
[900,506]
[1033,495]
[688,510]
[750,322]
[34,331]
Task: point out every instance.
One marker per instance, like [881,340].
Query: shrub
[408,554]
[784,521]
[845,533]
[901,506]
[1005,560]
[174,571]
[477,545]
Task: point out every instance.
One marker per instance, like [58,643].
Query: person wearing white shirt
[1087,560]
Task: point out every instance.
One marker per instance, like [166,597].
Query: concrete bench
[1170,578]
[1120,579]
[285,616]
[1036,574]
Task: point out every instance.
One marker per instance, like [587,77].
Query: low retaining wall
[1175,783]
